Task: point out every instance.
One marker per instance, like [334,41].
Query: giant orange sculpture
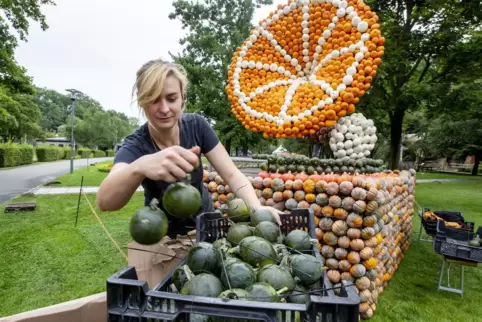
[305,66]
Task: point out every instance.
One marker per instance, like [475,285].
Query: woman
[168,147]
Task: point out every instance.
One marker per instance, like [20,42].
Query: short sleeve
[129,151]
[209,137]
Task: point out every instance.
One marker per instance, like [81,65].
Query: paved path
[19,180]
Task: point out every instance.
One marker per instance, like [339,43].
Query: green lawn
[438,175]
[92,177]
[42,253]
[412,294]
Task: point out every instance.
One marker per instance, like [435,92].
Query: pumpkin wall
[364,222]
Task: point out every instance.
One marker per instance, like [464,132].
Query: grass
[446,175]
[92,176]
[412,294]
[42,253]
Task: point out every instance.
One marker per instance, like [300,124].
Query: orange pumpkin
[310,197]
[278,196]
[309,186]
[301,176]
[370,263]
[287,194]
[327,211]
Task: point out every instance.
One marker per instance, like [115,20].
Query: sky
[96,46]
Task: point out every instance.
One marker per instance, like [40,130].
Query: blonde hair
[150,80]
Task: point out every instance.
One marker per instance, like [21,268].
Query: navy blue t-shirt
[194,131]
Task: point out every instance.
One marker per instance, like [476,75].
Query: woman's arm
[237,181]
[118,187]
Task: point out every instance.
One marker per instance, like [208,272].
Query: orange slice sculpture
[305,66]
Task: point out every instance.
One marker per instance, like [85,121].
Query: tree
[18,112]
[215,29]
[426,46]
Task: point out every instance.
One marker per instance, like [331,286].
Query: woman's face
[166,110]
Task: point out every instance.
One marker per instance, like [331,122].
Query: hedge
[14,154]
[49,153]
[83,153]
[98,153]
[110,153]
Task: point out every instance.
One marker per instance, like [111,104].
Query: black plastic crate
[430,226]
[455,244]
[129,299]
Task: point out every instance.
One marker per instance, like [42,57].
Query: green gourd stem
[189,274]
[154,204]
[284,261]
[233,251]
[314,242]
[174,288]
[281,291]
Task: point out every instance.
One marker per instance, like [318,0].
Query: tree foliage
[214,29]
[429,46]
[18,112]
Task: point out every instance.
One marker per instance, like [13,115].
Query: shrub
[83,153]
[104,167]
[48,153]
[67,153]
[99,154]
[110,153]
[14,154]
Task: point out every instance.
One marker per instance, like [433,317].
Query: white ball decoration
[354,136]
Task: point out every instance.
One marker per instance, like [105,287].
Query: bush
[48,153]
[104,167]
[99,154]
[83,153]
[67,153]
[110,153]
[14,154]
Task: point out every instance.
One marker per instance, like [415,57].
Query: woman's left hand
[275,212]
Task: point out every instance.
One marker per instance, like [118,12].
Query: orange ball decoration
[304,67]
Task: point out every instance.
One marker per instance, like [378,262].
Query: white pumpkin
[353,136]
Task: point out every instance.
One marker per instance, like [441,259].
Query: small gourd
[347,203]
[331,263]
[309,186]
[476,242]
[357,244]
[326,224]
[344,241]
[339,228]
[358,270]
[344,265]
[341,253]
[278,184]
[359,206]
[330,238]
[332,188]
[291,204]
[322,199]
[359,193]
[334,276]
[346,188]
[327,251]
[340,213]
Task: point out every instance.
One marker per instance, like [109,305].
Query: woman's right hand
[170,164]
